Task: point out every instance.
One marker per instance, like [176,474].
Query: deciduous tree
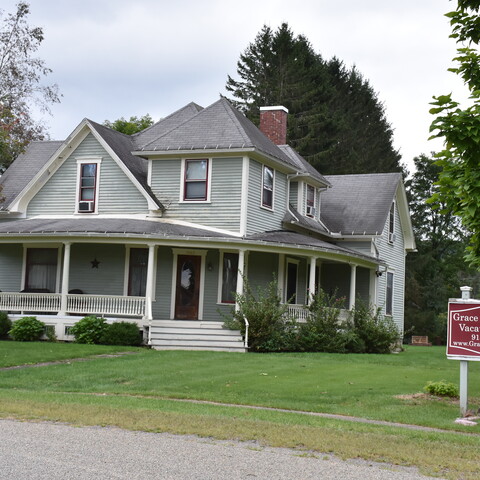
[459,127]
[21,87]
[130,126]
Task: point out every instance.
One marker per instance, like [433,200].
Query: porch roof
[286,237]
[119,227]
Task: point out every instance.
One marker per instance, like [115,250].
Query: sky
[119,58]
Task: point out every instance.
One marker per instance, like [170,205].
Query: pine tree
[335,118]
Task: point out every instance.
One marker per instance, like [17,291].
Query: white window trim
[297,263]
[82,161]
[391,231]
[126,274]
[272,208]
[220,277]
[209,181]
[59,263]
[201,293]
[314,200]
[386,292]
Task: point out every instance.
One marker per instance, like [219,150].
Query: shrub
[27,329]
[89,329]
[121,333]
[5,325]
[269,330]
[323,331]
[442,389]
[372,332]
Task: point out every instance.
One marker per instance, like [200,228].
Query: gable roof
[122,146]
[217,127]
[26,166]
[359,204]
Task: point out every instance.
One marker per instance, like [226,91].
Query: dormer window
[310,205]
[88,174]
[267,187]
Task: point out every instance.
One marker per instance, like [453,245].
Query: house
[162,226]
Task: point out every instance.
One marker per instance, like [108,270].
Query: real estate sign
[463,335]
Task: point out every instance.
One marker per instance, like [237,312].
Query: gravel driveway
[37,451]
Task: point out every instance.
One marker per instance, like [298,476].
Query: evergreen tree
[335,118]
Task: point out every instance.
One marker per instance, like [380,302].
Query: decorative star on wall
[95,263]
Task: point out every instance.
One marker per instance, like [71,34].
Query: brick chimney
[273,123]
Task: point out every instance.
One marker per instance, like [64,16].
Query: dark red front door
[187,287]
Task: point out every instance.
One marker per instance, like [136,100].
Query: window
[87,186]
[310,201]
[196,184]
[229,277]
[267,189]
[41,270]
[389,299]
[137,275]
[292,281]
[391,224]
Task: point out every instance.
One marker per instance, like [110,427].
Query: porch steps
[194,335]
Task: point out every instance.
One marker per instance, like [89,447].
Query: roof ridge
[179,125]
[167,117]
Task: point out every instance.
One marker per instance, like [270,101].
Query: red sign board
[463,336]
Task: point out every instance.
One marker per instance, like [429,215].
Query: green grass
[24,353]
[140,392]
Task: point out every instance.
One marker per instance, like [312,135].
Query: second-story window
[310,201]
[196,180]
[267,188]
[87,187]
[391,223]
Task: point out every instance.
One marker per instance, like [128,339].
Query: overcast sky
[114,58]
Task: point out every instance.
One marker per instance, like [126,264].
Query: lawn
[142,391]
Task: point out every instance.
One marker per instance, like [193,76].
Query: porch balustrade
[300,313]
[80,304]
[30,302]
[106,305]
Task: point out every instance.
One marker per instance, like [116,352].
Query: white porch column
[65,278]
[240,274]
[311,280]
[150,282]
[373,287]
[353,286]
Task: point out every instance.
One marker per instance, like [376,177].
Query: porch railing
[300,313]
[106,305]
[30,302]
[82,304]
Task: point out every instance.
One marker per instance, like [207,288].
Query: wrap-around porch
[162,281]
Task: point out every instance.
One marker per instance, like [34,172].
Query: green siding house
[161,227]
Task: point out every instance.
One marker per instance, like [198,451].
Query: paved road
[48,451]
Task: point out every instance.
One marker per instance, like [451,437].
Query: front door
[187,287]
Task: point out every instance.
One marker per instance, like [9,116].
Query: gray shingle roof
[294,238]
[103,226]
[294,217]
[26,166]
[143,138]
[123,146]
[358,204]
[219,126]
[302,165]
